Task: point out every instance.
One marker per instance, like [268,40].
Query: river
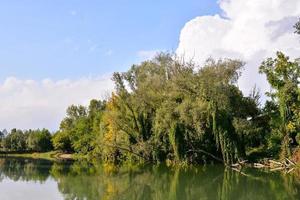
[33,179]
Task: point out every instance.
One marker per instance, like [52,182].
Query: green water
[27,179]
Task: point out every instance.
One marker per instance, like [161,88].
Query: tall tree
[284,77]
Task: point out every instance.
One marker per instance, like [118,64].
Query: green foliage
[61,141]
[165,109]
[15,141]
[31,140]
[80,128]
[38,140]
[284,77]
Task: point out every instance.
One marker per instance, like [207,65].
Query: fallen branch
[275,162]
[239,171]
[276,169]
[259,165]
[290,170]
[291,162]
[235,165]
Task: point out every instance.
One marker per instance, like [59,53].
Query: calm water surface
[27,179]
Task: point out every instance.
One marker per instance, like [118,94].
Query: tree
[39,140]
[80,128]
[166,109]
[15,141]
[284,77]
[61,141]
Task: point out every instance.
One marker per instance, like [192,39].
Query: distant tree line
[26,141]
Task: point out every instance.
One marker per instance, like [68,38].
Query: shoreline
[266,163]
[52,155]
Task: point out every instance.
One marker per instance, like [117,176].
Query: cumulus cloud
[28,104]
[250,30]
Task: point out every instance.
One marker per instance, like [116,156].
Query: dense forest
[169,110]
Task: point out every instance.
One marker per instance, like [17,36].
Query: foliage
[15,141]
[165,109]
[284,78]
[79,128]
[39,140]
[30,140]
[61,141]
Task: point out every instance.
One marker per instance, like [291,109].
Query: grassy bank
[51,155]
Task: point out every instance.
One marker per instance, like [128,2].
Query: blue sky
[60,39]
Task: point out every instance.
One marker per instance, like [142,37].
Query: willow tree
[133,106]
[218,88]
[167,109]
[284,77]
[174,130]
[195,122]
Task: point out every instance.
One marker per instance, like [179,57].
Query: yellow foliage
[108,119]
[290,127]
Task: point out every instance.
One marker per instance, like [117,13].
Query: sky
[73,38]
[54,53]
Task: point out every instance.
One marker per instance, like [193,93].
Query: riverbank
[52,155]
[265,163]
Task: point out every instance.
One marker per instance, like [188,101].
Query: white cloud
[251,30]
[36,104]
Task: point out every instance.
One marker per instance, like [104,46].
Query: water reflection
[25,169]
[84,180]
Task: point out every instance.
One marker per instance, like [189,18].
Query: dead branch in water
[273,165]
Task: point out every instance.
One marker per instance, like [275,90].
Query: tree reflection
[160,182]
[25,169]
[84,180]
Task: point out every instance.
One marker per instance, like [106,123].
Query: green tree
[80,128]
[166,109]
[15,141]
[39,140]
[284,77]
[61,141]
